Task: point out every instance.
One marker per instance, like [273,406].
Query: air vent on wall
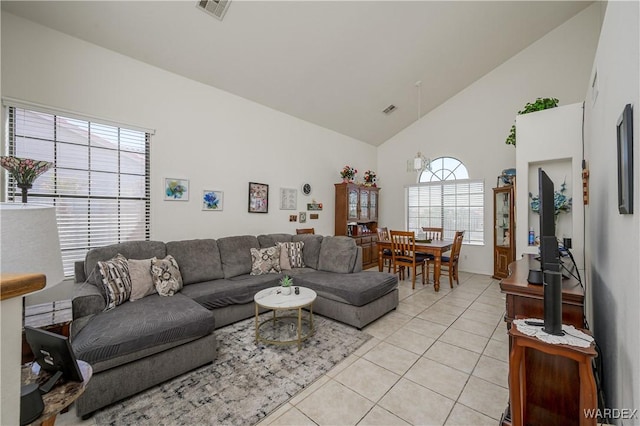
[216,8]
[389,109]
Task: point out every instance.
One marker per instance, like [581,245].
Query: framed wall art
[176,189]
[288,199]
[303,217]
[258,197]
[625,161]
[212,201]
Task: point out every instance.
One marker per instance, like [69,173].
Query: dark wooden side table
[586,387]
[54,317]
[61,396]
[547,376]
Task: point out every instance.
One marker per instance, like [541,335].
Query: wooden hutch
[356,216]
[504,232]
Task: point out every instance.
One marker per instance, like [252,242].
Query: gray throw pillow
[141,278]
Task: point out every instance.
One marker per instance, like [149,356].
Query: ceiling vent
[216,8]
[389,109]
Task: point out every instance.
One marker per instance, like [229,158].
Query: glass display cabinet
[504,233]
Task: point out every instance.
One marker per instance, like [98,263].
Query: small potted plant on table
[285,283]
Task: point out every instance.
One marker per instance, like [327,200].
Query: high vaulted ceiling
[337,64]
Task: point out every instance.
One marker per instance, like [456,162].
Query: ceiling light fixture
[419,163]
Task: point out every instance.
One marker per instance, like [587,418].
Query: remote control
[535,323]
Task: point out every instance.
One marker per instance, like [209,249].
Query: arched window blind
[99,182]
[447,198]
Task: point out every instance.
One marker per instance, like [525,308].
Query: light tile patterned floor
[439,359]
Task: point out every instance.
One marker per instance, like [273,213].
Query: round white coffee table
[271,298]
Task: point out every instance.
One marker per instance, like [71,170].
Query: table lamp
[29,245]
[30,242]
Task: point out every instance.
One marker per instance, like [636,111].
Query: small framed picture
[258,197]
[288,198]
[212,201]
[293,218]
[176,189]
[303,217]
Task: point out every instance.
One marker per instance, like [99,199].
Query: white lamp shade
[30,243]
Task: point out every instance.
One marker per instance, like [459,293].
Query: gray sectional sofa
[142,343]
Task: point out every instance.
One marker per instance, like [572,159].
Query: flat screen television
[549,256]
[54,354]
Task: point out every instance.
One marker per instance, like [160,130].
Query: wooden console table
[587,394]
[547,376]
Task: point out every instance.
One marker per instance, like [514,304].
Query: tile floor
[439,359]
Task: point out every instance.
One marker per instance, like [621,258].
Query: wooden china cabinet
[356,216]
[504,230]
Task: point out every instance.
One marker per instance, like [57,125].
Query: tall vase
[25,187]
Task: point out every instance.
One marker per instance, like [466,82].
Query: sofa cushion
[199,260]
[130,250]
[236,291]
[115,280]
[337,254]
[358,288]
[149,322]
[265,260]
[270,240]
[141,278]
[311,251]
[166,276]
[235,253]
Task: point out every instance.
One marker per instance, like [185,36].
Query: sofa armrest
[78,269]
[357,267]
[87,300]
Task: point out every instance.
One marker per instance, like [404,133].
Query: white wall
[551,139]
[612,239]
[473,125]
[214,139]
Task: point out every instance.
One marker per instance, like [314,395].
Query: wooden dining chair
[432,233]
[403,255]
[387,258]
[305,231]
[449,264]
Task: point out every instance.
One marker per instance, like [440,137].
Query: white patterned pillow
[265,261]
[294,252]
[166,275]
[115,280]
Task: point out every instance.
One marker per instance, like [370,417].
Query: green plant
[539,105]
[286,281]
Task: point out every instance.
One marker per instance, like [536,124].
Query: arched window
[444,168]
[445,197]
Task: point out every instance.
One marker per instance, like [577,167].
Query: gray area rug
[244,384]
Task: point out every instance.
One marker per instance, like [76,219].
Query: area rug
[244,384]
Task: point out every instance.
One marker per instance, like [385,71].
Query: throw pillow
[141,278]
[265,261]
[295,254]
[284,255]
[115,280]
[166,275]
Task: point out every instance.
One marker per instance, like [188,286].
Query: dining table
[434,247]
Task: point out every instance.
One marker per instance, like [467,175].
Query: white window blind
[99,182]
[454,205]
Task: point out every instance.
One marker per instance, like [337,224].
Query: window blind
[99,182]
[453,205]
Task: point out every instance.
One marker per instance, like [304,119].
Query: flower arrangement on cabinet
[561,202]
[348,173]
[370,178]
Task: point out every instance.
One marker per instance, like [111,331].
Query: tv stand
[547,376]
